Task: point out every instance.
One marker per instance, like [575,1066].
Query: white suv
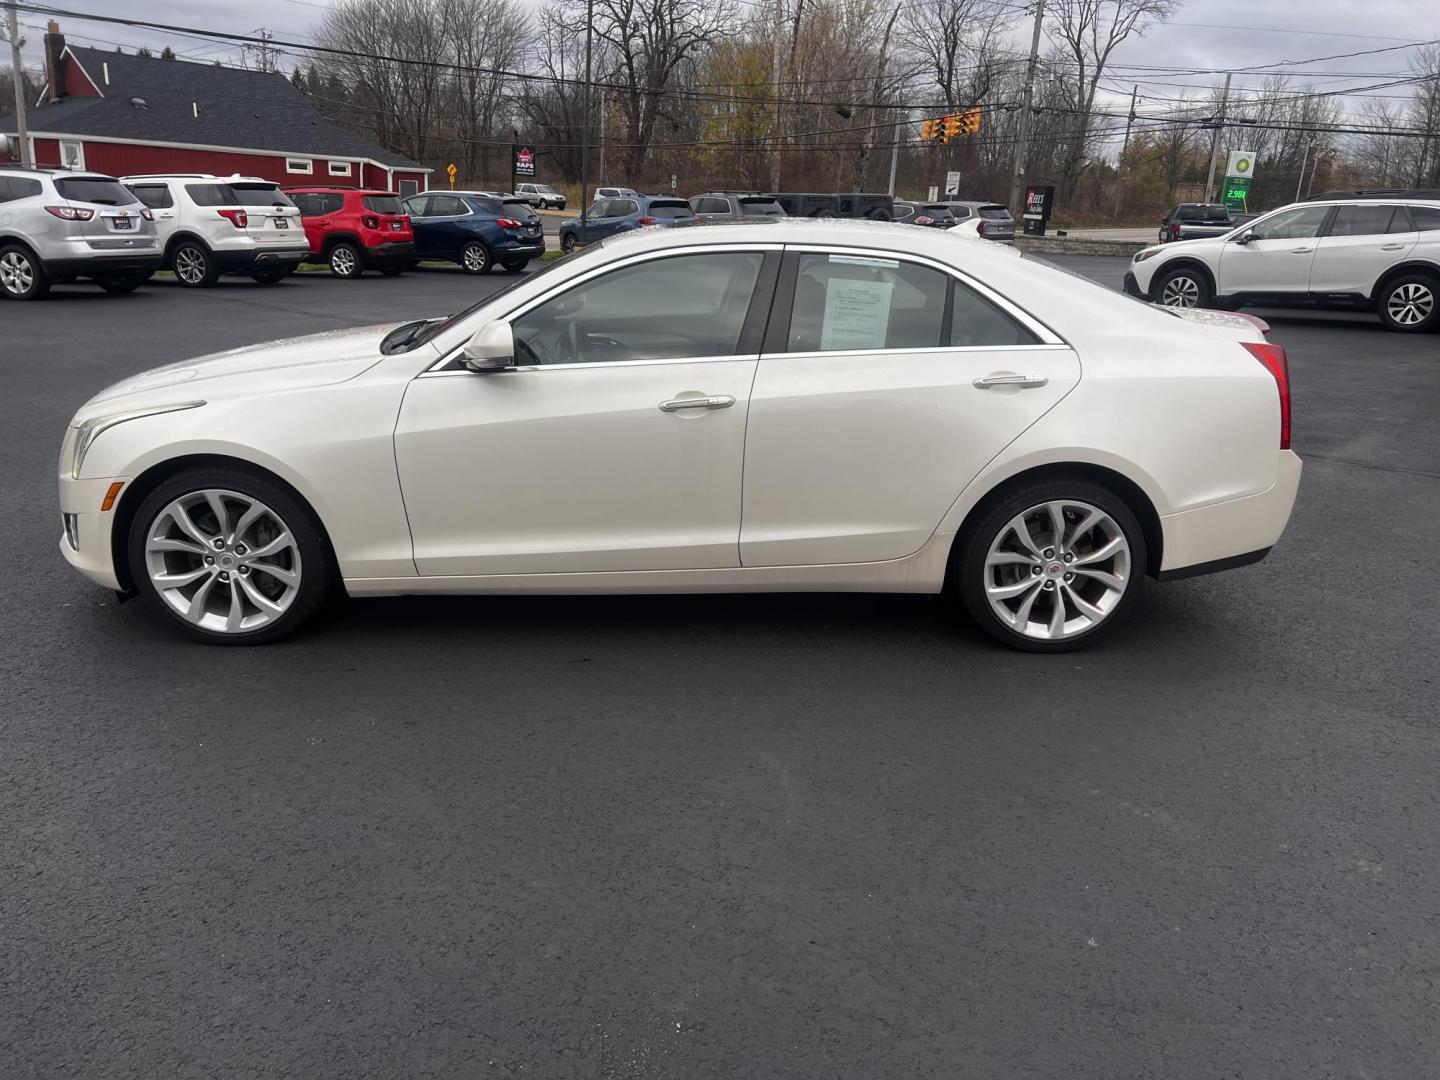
[1377,250]
[541,196]
[210,226]
[57,225]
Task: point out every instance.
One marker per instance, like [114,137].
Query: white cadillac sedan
[789,406]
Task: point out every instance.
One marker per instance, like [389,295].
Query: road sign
[952,183]
[1241,163]
[934,194]
[452,171]
[674,181]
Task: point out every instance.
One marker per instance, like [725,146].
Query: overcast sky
[1203,34]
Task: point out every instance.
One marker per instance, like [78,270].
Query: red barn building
[123,114]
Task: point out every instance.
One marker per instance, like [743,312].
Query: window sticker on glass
[862,260]
[857,314]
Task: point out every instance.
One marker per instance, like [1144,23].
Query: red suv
[354,230]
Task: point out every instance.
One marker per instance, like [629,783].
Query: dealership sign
[524,161]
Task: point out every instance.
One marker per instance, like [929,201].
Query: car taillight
[1175,229]
[146,214]
[238,218]
[923,220]
[1273,357]
[71,213]
[980,228]
[647,220]
[507,223]
[370,221]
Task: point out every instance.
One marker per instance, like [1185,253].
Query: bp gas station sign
[1238,173]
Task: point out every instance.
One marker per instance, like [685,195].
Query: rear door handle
[1008,378]
[716,401]
[1300,251]
[1391,247]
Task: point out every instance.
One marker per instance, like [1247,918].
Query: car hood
[314,360]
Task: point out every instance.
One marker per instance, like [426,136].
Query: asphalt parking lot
[730,836]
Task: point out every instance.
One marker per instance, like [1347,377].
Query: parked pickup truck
[1196,221]
[847,204]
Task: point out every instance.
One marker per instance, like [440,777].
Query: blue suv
[475,229]
[610,216]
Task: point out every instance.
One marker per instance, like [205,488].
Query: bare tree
[1089,31]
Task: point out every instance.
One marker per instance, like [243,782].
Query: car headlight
[1145,253]
[79,438]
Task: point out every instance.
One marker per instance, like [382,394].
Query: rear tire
[1410,304]
[194,265]
[1011,570]
[344,260]
[394,270]
[21,275]
[475,258]
[120,284]
[270,275]
[258,585]
[515,266]
[1182,287]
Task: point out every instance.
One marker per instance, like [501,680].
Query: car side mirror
[491,349]
[1244,238]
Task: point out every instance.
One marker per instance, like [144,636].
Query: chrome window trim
[432,373]
[1019,314]
[524,307]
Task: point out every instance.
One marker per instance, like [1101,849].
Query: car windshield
[259,195]
[545,188]
[383,204]
[413,335]
[670,210]
[97,190]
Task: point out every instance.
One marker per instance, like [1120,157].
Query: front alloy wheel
[1051,566]
[231,558]
[1410,304]
[567,243]
[1183,289]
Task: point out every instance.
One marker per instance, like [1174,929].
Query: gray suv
[735,206]
[57,225]
[995,220]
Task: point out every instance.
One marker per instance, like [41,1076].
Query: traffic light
[953,126]
[929,130]
[970,121]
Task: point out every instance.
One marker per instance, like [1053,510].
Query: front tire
[567,243]
[1410,304]
[1051,565]
[229,556]
[344,260]
[1182,287]
[475,258]
[194,266]
[21,275]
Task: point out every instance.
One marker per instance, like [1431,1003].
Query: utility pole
[894,154]
[1125,145]
[12,19]
[1018,173]
[1215,139]
[1304,153]
[775,68]
[585,128]
[602,134]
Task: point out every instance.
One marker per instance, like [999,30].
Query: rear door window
[382,204]
[96,190]
[622,208]
[1362,220]
[846,302]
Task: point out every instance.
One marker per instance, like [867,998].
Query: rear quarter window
[1427,218]
[211,195]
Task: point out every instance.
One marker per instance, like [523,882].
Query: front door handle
[1301,251]
[1007,378]
[716,401]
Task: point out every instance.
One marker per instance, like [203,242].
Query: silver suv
[57,225]
[210,226]
[735,206]
[540,196]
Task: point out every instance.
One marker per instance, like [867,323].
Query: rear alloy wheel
[1182,288]
[567,243]
[21,277]
[194,268]
[1410,304]
[475,258]
[120,284]
[345,261]
[231,558]
[1052,565]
